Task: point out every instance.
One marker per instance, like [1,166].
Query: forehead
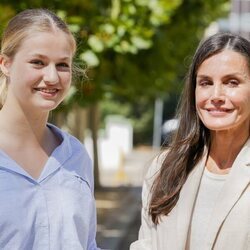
[54,43]
[226,60]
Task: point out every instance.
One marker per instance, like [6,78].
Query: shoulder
[77,160]
[155,166]
[80,162]
[152,173]
[70,143]
[76,145]
[79,156]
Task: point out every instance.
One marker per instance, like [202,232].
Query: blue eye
[37,62]
[64,65]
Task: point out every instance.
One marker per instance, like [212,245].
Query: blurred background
[136,54]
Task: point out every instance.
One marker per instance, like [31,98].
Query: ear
[5,63]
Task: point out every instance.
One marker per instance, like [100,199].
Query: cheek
[240,99]
[236,95]
[66,79]
[24,76]
[200,98]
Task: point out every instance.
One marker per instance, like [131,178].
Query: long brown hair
[191,136]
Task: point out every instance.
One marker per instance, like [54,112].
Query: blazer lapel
[233,188]
[186,202]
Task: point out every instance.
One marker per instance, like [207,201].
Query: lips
[218,112]
[47,91]
[222,110]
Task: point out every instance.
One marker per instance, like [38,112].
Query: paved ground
[131,170]
[118,216]
[119,201]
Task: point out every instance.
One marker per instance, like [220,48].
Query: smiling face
[223,92]
[39,74]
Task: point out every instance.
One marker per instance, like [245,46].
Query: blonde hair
[20,27]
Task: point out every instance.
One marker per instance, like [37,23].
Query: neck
[224,149]
[24,124]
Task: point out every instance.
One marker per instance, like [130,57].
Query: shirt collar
[56,160]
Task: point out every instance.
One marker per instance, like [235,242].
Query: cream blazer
[229,225]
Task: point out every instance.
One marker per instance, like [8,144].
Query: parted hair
[20,27]
[191,137]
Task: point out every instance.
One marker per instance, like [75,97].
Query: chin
[48,106]
[220,127]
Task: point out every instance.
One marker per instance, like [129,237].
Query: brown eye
[204,83]
[233,83]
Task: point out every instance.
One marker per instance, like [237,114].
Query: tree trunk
[58,119]
[94,126]
[77,122]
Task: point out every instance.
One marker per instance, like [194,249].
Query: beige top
[229,227]
[210,187]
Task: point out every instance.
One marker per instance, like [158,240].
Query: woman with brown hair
[196,195]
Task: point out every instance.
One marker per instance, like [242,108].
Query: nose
[217,94]
[50,75]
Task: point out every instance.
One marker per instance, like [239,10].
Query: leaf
[142,2]
[90,58]
[107,28]
[74,28]
[95,43]
[141,43]
[115,9]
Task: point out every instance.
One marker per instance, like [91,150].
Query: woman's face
[39,75]
[223,91]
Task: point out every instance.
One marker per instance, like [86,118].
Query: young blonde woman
[46,181]
[197,194]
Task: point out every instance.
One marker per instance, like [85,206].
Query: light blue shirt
[54,212]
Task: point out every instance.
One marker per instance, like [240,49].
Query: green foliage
[6,13]
[106,29]
[130,46]
[135,49]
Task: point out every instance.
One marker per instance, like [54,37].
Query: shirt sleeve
[92,229]
[93,220]
[84,168]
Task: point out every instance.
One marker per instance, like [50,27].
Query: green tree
[129,45]
[159,71]
[134,49]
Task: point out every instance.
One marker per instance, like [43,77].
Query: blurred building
[239,19]
[237,22]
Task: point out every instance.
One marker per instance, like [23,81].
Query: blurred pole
[158,110]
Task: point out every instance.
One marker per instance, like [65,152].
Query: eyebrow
[45,57]
[225,76]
